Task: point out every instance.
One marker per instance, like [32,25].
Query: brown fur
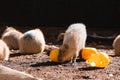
[11,37]
[60,37]
[116,45]
[74,41]
[32,42]
[4,51]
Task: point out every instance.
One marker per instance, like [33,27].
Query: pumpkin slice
[99,60]
[87,52]
[54,55]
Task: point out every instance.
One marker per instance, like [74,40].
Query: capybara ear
[66,46]
[6,27]
[60,36]
[10,28]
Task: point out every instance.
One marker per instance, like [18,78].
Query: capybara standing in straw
[32,42]
[116,45]
[4,51]
[74,40]
[11,37]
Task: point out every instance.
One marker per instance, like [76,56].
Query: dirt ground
[40,66]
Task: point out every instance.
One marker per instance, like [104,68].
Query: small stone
[111,75]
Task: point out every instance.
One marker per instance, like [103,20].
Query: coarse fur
[116,45]
[11,74]
[4,51]
[11,37]
[32,42]
[74,40]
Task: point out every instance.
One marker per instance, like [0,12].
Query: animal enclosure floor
[40,66]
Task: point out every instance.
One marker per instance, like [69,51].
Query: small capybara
[4,51]
[116,45]
[32,42]
[11,74]
[11,37]
[74,40]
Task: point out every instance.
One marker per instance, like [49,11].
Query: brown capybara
[32,42]
[11,74]
[116,45]
[74,40]
[4,51]
[11,37]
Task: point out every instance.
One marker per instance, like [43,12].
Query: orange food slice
[87,52]
[54,55]
[99,60]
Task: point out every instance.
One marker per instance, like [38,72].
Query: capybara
[4,51]
[74,40]
[116,45]
[32,42]
[11,74]
[11,37]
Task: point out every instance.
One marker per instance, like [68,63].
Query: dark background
[93,13]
